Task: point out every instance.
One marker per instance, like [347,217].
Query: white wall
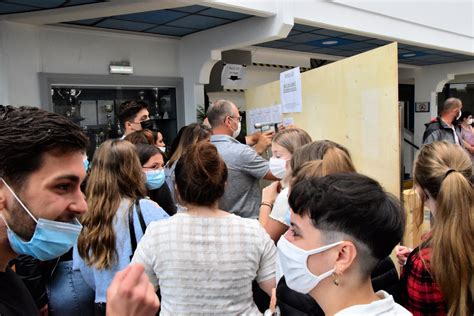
[450,15]
[27,50]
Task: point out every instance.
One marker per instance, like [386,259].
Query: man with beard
[41,169]
[442,128]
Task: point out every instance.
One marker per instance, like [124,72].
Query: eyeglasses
[238,118]
[153,167]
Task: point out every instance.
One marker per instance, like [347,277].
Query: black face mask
[148,124]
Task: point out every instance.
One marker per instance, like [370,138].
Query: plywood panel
[353,102]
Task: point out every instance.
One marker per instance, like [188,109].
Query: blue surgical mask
[155,179]
[85,162]
[50,240]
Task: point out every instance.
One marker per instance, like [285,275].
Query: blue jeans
[68,293]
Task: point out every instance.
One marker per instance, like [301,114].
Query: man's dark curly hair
[26,133]
[129,109]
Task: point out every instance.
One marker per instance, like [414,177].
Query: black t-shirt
[15,299]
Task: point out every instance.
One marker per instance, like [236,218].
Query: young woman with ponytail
[438,276]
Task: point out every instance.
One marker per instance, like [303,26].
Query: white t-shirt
[281,208]
[385,306]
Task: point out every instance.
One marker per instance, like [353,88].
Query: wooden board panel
[353,102]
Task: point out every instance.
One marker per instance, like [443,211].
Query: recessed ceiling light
[329,42]
[409,55]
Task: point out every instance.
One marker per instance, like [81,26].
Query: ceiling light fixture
[409,55]
[330,42]
[122,68]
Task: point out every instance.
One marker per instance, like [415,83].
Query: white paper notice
[288,121]
[290,90]
[268,115]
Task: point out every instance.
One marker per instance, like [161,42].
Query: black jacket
[162,196]
[438,130]
[384,277]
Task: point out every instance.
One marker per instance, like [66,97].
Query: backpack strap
[131,227]
[140,216]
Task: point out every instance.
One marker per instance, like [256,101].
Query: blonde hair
[116,173]
[335,161]
[335,157]
[292,138]
[444,170]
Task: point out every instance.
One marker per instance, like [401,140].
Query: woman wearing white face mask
[341,227]
[274,196]
[467,133]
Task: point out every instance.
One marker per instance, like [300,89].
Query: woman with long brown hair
[117,217]
[187,136]
[438,276]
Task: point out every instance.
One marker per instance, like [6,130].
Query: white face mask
[294,265]
[278,167]
[163,149]
[237,131]
[469,121]
[459,115]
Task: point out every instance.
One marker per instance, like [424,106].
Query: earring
[335,278]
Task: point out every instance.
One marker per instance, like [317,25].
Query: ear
[346,256]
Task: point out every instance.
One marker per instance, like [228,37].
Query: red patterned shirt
[419,293]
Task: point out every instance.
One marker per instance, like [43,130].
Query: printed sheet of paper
[268,115]
[288,121]
[290,91]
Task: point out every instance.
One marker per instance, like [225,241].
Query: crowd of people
[138,229]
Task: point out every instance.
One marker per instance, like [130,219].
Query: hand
[272,309]
[270,192]
[402,253]
[131,293]
[273,301]
[264,141]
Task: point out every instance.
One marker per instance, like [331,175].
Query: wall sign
[422,106]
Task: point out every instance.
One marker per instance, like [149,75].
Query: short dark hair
[146,151]
[129,109]
[201,175]
[26,133]
[464,115]
[356,206]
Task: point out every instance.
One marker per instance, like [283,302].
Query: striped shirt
[206,265]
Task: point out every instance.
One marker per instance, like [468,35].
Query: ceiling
[182,21]
[172,22]
[323,41]
[19,6]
